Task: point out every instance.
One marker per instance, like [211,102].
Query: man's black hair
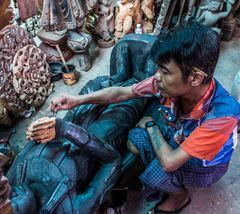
[190,44]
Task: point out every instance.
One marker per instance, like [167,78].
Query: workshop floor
[222,198]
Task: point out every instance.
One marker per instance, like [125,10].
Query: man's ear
[197,78]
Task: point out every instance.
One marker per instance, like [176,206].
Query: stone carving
[212,13]
[12,38]
[147,7]
[31,76]
[128,15]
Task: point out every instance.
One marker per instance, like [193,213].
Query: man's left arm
[169,159]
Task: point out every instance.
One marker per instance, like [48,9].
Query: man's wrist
[150,124]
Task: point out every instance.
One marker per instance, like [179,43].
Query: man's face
[170,82]
[6,13]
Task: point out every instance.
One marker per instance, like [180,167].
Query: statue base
[105,44]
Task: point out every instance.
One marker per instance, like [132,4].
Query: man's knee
[132,148]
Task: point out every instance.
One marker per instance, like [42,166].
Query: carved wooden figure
[105,23]
[147,7]
[128,15]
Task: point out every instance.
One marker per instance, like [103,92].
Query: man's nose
[158,76]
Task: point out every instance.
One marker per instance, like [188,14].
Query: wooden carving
[12,38]
[105,23]
[128,16]
[64,14]
[42,130]
[147,7]
[31,76]
[29,8]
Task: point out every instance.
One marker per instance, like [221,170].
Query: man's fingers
[42,130]
[41,133]
[41,123]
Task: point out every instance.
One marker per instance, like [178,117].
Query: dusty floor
[222,198]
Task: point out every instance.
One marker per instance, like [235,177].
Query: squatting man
[192,141]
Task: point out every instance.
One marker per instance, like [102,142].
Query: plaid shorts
[155,179]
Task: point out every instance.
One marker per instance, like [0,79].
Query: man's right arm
[107,96]
[104,96]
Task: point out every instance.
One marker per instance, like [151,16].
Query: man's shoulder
[223,104]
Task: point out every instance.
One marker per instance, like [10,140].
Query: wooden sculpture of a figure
[128,15]
[147,7]
[102,23]
[60,16]
[213,12]
[73,163]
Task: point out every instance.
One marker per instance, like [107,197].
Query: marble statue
[212,13]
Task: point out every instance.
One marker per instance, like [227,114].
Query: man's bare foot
[173,202]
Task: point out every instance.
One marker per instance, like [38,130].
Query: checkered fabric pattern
[155,179]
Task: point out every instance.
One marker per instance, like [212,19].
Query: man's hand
[63,102]
[42,130]
[142,122]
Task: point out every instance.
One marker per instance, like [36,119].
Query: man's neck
[188,101]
